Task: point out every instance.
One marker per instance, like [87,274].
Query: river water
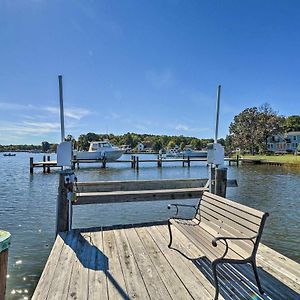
[27,208]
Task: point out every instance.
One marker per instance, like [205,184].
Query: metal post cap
[4,240]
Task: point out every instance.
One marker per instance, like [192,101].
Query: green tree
[171,144]
[157,145]
[243,130]
[45,146]
[182,145]
[251,128]
[269,123]
[292,123]
[197,144]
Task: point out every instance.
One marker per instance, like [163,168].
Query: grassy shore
[286,158]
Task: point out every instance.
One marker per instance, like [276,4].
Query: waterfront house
[284,143]
[140,147]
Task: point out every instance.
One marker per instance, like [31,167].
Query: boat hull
[99,155]
[195,154]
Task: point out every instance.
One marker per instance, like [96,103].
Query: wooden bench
[224,231]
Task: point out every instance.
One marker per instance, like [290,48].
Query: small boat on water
[100,150]
[189,152]
[9,154]
[173,152]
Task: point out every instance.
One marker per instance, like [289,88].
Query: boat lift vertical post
[212,166]
[217,113]
[61,105]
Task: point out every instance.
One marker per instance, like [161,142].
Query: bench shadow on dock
[134,262]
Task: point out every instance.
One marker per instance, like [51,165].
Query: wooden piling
[237,160]
[104,162]
[183,165]
[4,244]
[48,167]
[189,162]
[62,217]
[134,161]
[31,165]
[137,163]
[132,165]
[44,167]
[212,179]
[159,161]
[220,181]
[73,162]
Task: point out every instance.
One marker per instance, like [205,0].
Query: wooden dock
[134,262]
[134,162]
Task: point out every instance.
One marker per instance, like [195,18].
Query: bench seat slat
[240,213]
[202,237]
[246,246]
[229,218]
[217,219]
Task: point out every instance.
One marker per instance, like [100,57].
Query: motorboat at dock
[100,150]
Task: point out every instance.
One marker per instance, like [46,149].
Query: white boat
[100,150]
[173,152]
[188,152]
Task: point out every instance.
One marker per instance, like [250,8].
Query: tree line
[155,142]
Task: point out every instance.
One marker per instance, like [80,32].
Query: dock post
[132,166]
[137,163]
[159,162]
[4,245]
[220,181]
[44,167]
[62,210]
[104,162]
[237,160]
[73,162]
[189,162]
[48,167]
[183,161]
[134,161]
[31,165]
[212,181]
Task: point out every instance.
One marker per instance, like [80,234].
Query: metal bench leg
[170,232]
[216,283]
[253,263]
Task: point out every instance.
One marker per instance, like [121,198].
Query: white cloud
[160,79]
[187,128]
[15,106]
[74,113]
[182,127]
[27,128]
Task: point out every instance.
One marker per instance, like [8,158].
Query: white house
[140,147]
[283,143]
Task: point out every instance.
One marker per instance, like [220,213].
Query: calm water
[27,208]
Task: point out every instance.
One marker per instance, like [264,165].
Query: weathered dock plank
[134,262]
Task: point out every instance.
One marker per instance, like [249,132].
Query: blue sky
[143,66]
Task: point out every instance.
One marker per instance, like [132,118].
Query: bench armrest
[225,238]
[181,205]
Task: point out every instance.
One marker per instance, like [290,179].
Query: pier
[134,262]
[134,162]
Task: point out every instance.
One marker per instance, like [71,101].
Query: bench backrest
[229,218]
